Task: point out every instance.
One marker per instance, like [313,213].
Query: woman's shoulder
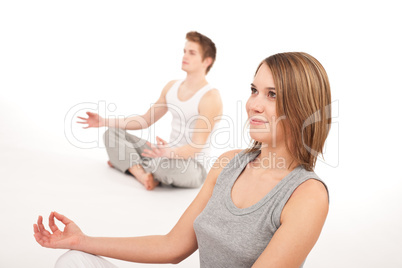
[311,185]
[311,195]
[229,161]
[225,158]
[219,164]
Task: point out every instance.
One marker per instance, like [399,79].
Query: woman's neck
[276,158]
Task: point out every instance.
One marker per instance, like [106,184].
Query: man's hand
[93,120]
[161,149]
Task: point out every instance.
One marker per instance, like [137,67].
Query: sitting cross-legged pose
[196,107]
[259,207]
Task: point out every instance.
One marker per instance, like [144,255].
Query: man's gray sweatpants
[125,150]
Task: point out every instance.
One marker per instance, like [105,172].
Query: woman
[264,208]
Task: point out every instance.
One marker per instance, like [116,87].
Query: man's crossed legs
[125,151]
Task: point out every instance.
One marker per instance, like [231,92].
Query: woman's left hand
[161,149]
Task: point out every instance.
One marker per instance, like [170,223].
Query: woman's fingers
[39,237]
[52,224]
[35,228]
[41,228]
[40,224]
[62,218]
[44,237]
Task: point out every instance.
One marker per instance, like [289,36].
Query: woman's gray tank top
[232,237]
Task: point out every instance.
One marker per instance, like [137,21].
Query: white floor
[362,229]
[102,201]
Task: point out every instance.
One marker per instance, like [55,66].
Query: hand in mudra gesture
[69,238]
[160,149]
[93,120]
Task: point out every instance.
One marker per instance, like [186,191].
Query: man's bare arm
[157,110]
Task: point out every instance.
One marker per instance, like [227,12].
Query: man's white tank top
[185,115]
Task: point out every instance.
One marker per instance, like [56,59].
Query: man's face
[192,58]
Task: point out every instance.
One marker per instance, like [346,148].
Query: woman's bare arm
[173,247]
[301,222]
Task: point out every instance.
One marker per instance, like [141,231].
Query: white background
[59,59]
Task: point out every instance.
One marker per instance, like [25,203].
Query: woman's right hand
[70,238]
[93,120]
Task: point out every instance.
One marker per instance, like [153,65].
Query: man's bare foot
[147,179]
[110,164]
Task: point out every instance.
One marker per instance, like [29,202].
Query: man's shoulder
[168,86]
[171,83]
[212,96]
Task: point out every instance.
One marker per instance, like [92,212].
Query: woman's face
[261,109]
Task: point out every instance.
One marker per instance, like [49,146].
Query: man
[196,108]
